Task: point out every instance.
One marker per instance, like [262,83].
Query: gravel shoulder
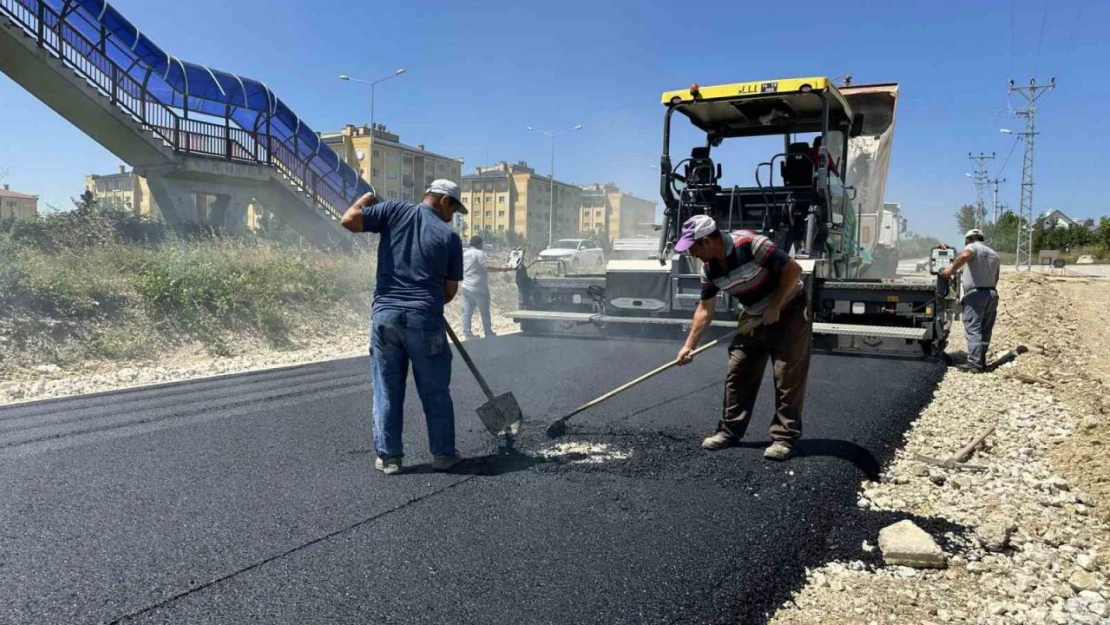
[347,337]
[1037,549]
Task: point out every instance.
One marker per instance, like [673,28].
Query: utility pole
[980,180]
[997,206]
[1032,93]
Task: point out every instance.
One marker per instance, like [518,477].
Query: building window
[393,157]
[501,199]
[501,228]
[377,153]
[489,214]
[392,175]
[500,213]
[374,172]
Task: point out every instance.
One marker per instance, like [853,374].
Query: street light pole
[373,84]
[551,206]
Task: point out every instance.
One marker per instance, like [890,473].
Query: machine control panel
[941,259]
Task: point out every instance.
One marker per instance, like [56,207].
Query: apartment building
[511,197]
[396,171]
[615,214]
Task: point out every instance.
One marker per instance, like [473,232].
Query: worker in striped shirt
[766,282]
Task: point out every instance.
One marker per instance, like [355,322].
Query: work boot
[970,368]
[389,466]
[445,462]
[720,440]
[779,450]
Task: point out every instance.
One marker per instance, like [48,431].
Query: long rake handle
[469,362]
[656,371]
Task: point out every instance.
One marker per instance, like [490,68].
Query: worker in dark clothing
[766,282]
[979,305]
[420,265]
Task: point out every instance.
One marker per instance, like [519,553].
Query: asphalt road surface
[252,498]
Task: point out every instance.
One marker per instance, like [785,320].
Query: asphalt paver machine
[807,196]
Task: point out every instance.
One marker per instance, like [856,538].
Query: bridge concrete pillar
[228,212]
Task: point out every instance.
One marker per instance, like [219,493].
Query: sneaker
[445,462]
[388,466]
[720,440]
[779,450]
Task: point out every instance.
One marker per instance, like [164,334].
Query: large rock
[905,544]
[1079,580]
[995,532]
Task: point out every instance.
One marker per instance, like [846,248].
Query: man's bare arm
[790,274]
[703,316]
[960,261]
[451,288]
[352,219]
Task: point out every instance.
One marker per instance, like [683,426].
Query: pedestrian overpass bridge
[186,128]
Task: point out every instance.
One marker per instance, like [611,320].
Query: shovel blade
[502,415]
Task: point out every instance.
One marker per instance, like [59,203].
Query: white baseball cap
[974,232]
[693,229]
[446,187]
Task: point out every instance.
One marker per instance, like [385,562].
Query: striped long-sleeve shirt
[751,272]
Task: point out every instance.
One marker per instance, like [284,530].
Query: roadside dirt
[338,337]
[1047,477]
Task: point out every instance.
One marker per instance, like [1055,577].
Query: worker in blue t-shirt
[420,265]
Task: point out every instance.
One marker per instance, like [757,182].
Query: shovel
[559,426]
[501,415]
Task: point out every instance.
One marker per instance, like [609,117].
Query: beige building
[15,205]
[395,170]
[124,191]
[507,198]
[615,214]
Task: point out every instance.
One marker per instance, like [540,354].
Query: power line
[1044,20]
[1075,27]
[1005,162]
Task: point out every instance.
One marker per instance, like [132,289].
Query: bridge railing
[226,140]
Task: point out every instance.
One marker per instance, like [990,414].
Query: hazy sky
[480,72]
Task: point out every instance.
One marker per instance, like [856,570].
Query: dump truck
[809,197]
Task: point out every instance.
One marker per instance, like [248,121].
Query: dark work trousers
[787,344]
[978,310]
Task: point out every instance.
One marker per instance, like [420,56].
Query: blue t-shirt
[417,253]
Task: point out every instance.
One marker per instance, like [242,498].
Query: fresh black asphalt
[252,498]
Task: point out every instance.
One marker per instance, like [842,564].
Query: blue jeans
[472,300]
[396,339]
[978,311]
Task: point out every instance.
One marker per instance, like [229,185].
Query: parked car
[578,254]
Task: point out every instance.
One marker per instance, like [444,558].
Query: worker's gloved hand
[685,356]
